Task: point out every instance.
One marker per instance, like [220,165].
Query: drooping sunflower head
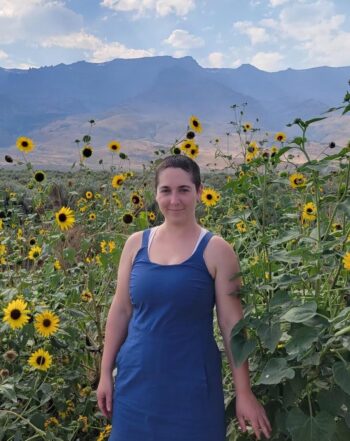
[209,197]
[24,144]
[253,148]
[16,314]
[40,359]
[194,124]
[87,151]
[39,176]
[114,146]
[46,323]
[65,218]
[280,136]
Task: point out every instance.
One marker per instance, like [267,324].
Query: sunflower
[10,355]
[241,227]
[86,296]
[25,144]
[89,195]
[34,252]
[16,314]
[107,247]
[249,157]
[39,176]
[65,218]
[309,211]
[3,249]
[57,265]
[117,181]
[151,216]
[336,227]
[92,216]
[297,180]
[129,174]
[280,136]
[190,134]
[86,151]
[247,126]
[52,421]
[114,146]
[194,124]
[46,323]
[209,197]
[128,218]
[32,241]
[176,151]
[135,199]
[193,152]
[252,149]
[346,261]
[187,145]
[273,151]
[40,359]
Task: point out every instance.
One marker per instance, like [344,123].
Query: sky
[272,35]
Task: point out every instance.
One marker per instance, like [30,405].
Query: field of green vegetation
[61,236]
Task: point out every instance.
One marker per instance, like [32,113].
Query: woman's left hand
[248,409]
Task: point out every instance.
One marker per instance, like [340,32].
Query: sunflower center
[39,177]
[47,323]
[87,152]
[40,360]
[298,181]
[62,217]
[195,123]
[209,196]
[135,199]
[279,138]
[35,254]
[127,218]
[25,144]
[251,149]
[15,314]
[309,210]
[119,181]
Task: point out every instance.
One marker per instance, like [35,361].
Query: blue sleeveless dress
[168,385]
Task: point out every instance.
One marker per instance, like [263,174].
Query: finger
[265,426]
[242,423]
[256,428]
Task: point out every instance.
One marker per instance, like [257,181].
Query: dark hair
[183,162]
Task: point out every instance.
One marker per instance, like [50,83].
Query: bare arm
[120,310]
[229,311]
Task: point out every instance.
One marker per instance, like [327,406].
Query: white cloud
[17,8]
[269,61]
[3,55]
[256,34]
[161,7]
[216,59]
[97,51]
[325,50]
[275,3]
[180,39]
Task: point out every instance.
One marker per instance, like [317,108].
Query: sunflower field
[61,236]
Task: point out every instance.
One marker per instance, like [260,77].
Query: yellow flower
[249,157]
[46,323]
[117,181]
[194,124]
[83,209]
[52,421]
[273,151]
[39,176]
[252,149]
[280,137]
[107,247]
[92,216]
[34,252]
[89,195]
[193,152]
[84,420]
[309,211]
[65,218]
[16,314]
[151,216]
[25,144]
[241,227]
[3,249]
[209,197]
[19,233]
[346,261]
[187,145]
[297,180]
[40,359]
[114,146]
[57,265]
[86,296]
[86,151]
[247,126]
[135,198]
[1,224]
[336,227]
[128,218]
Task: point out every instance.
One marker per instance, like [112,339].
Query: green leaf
[346,110]
[293,234]
[341,373]
[341,431]
[69,255]
[269,335]
[8,390]
[301,341]
[241,348]
[333,400]
[275,371]
[299,314]
[345,207]
[311,121]
[310,428]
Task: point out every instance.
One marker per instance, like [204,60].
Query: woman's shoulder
[218,245]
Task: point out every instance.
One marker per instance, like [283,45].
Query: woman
[160,325]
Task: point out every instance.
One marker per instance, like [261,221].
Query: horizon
[271,35]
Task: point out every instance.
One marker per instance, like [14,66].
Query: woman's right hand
[105,395]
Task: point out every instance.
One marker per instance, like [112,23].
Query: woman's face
[176,194]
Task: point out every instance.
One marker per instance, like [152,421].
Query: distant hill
[146,102]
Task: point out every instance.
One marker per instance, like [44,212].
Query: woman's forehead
[174,176]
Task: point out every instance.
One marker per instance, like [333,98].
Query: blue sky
[271,35]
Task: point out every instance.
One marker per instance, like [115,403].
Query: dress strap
[145,236]
[203,243]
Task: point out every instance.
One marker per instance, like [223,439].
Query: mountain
[146,102]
